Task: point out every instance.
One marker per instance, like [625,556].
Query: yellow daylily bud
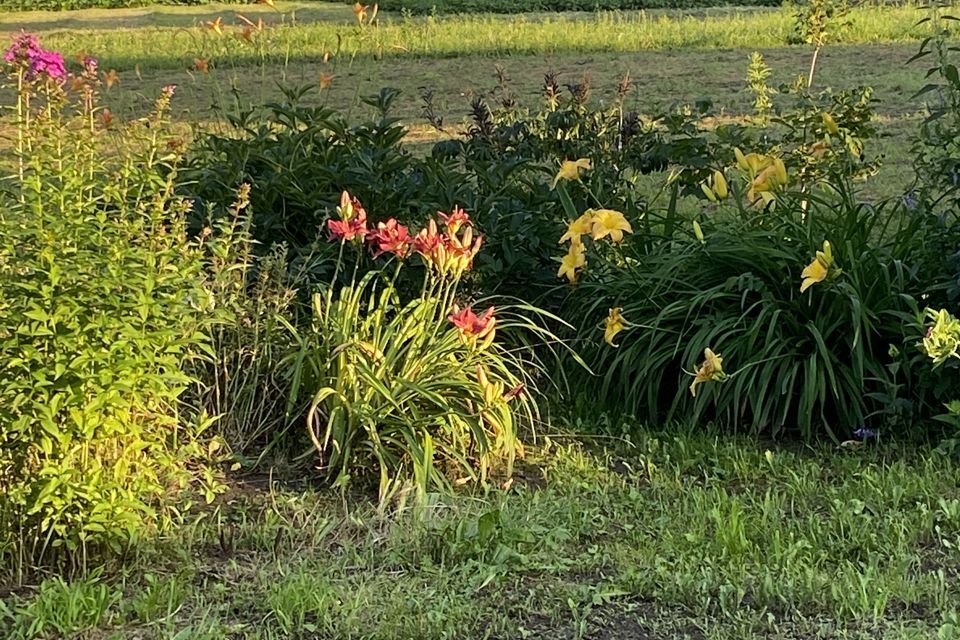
[707,191]
[780,172]
[830,124]
[492,392]
[698,232]
[741,160]
[720,185]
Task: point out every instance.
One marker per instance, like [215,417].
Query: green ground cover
[508,6]
[676,536]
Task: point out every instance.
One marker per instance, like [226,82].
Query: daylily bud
[741,160]
[720,185]
[707,191]
[780,171]
[698,232]
[830,124]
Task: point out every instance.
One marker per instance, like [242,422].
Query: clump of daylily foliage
[804,334]
[418,389]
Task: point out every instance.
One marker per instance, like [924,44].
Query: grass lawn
[676,536]
[672,57]
[660,79]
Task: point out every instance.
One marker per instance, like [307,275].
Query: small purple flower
[863,433]
[909,201]
[90,65]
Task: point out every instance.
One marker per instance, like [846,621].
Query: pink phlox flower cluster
[37,62]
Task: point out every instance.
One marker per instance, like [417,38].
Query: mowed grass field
[671,57]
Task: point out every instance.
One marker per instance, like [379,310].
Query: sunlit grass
[457,36]
[678,536]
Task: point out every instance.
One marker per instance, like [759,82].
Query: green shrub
[296,155]
[102,309]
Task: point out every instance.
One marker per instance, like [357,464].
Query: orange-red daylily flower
[352,222]
[390,237]
[456,219]
[473,327]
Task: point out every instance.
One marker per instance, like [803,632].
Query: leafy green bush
[724,279]
[935,195]
[297,155]
[102,309]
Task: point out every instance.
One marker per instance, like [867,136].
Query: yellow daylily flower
[942,340]
[575,259]
[819,269]
[614,325]
[752,163]
[607,222]
[216,26]
[771,179]
[711,370]
[570,170]
[577,228]
[814,272]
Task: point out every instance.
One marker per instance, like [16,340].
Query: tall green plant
[419,390]
[101,311]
